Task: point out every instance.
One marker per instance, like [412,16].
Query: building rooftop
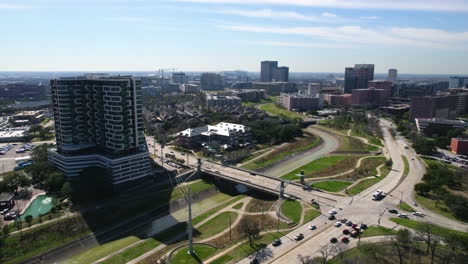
[441,121]
[222,129]
[12,133]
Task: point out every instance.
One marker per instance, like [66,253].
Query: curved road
[329,144]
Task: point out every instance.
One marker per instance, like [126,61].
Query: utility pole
[189,227]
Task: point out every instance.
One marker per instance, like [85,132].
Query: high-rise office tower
[358,77]
[458,82]
[270,71]
[266,73]
[392,75]
[99,122]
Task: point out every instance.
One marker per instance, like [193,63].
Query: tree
[251,230]
[54,182]
[389,162]
[67,189]
[424,146]
[28,219]
[372,250]
[400,242]
[422,188]
[425,233]
[15,180]
[6,230]
[440,193]
[326,251]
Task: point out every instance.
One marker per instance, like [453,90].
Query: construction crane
[162,71]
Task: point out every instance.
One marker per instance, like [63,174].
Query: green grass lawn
[216,225]
[292,209]
[441,231]
[311,215]
[238,206]
[91,255]
[377,231]
[362,185]
[202,252]
[257,102]
[133,252]
[243,250]
[213,211]
[331,186]
[406,170]
[315,165]
[253,156]
[283,152]
[441,208]
[349,144]
[406,207]
[275,110]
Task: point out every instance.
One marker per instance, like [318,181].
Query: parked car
[393,211]
[345,240]
[5,211]
[349,223]
[353,225]
[331,217]
[403,215]
[345,232]
[332,212]
[337,224]
[363,227]
[312,227]
[333,240]
[344,220]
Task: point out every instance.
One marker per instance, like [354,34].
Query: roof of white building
[222,129]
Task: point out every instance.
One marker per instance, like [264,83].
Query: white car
[312,227]
[417,214]
[414,203]
[337,224]
[403,215]
[332,212]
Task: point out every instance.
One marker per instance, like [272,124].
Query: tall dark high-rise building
[358,77]
[266,73]
[271,72]
[99,122]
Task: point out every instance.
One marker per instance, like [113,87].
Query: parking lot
[450,158]
[9,155]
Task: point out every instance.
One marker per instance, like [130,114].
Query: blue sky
[212,35]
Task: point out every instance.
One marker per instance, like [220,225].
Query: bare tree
[304,259]
[400,243]
[372,250]
[251,230]
[425,233]
[326,251]
[340,249]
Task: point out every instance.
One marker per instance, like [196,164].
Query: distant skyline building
[99,123]
[358,77]
[314,89]
[392,75]
[211,81]
[269,71]
[385,85]
[369,97]
[179,77]
[458,82]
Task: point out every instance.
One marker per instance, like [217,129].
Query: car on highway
[276,242]
[333,240]
[332,212]
[414,203]
[392,211]
[312,227]
[254,261]
[363,227]
[337,224]
[417,214]
[343,220]
[307,188]
[345,231]
[403,215]
[349,223]
[331,217]
[299,237]
[345,240]
[253,173]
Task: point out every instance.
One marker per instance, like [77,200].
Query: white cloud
[326,14]
[268,13]
[369,17]
[355,34]
[424,5]
[299,44]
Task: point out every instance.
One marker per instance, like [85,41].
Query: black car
[307,188]
[344,220]
[333,240]
[276,243]
[393,211]
[363,226]
[331,217]
[254,261]
[253,174]
[299,237]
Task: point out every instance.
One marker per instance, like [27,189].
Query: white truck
[377,195]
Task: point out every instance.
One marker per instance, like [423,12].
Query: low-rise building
[459,146]
[369,97]
[301,102]
[249,95]
[396,109]
[222,133]
[27,118]
[6,200]
[275,88]
[432,127]
[189,88]
[342,100]
[221,100]
[211,81]
[12,135]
